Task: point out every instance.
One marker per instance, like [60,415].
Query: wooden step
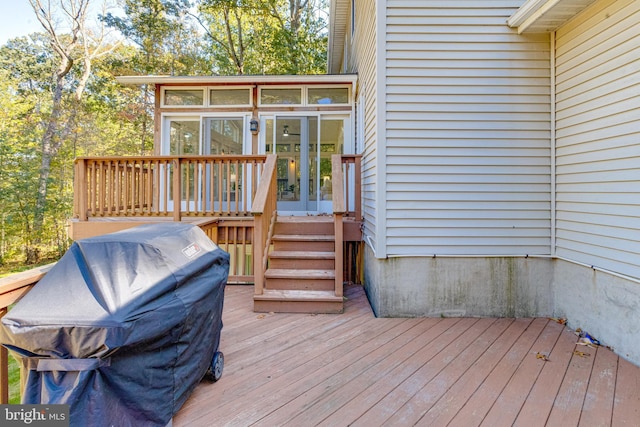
[303,242]
[295,301]
[304,225]
[304,260]
[295,279]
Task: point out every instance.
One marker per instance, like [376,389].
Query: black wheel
[217,365]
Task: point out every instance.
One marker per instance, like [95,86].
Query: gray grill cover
[124,326]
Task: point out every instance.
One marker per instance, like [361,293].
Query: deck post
[258,254]
[358,187]
[4,370]
[264,213]
[339,209]
[176,189]
[339,250]
[81,189]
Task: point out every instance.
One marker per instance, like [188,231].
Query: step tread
[283,273]
[302,254]
[305,218]
[297,295]
[304,237]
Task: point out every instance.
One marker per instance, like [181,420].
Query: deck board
[355,369]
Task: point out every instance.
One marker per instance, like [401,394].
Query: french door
[187,135]
[304,145]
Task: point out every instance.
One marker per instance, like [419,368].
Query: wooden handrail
[12,288]
[264,213]
[350,161]
[165,186]
[337,184]
[339,209]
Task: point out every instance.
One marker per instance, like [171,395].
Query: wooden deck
[355,369]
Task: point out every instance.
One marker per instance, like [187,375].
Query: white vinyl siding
[467,131]
[363,59]
[598,137]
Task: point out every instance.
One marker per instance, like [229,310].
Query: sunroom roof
[249,80]
[540,16]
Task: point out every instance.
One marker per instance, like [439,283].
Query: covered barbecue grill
[124,326]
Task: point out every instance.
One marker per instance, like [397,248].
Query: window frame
[163,96]
[305,95]
[209,89]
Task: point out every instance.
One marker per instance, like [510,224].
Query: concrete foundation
[606,306]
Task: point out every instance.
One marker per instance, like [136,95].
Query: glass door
[292,147]
[223,184]
[304,146]
[182,137]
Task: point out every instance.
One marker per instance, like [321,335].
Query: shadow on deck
[355,369]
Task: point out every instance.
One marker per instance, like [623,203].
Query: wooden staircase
[301,272]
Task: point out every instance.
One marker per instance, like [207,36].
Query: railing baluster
[141,186]
[176,189]
[4,370]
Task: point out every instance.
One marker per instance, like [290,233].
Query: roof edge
[206,80]
[525,11]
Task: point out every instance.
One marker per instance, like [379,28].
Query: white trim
[550,257]
[545,13]
[205,96]
[250,80]
[526,11]
[220,88]
[602,270]
[303,94]
[164,129]
[337,34]
[552,61]
[304,97]
[381,133]
[165,116]
[246,133]
[344,104]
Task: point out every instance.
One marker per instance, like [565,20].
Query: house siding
[363,60]
[598,129]
[467,148]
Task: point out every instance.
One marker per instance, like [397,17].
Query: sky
[16,19]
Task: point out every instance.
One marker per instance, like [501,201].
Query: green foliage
[176,37]
[14,381]
[265,37]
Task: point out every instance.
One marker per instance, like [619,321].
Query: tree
[265,37]
[78,45]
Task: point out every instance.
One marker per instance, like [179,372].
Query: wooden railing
[339,209]
[12,288]
[165,186]
[351,171]
[347,202]
[264,216]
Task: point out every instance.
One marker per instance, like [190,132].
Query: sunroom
[218,143]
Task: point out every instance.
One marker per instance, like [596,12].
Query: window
[224,135]
[326,96]
[230,97]
[184,136]
[281,96]
[183,97]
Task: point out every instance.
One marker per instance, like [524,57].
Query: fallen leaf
[542,356]
[261,316]
[560,320]
[581,353]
